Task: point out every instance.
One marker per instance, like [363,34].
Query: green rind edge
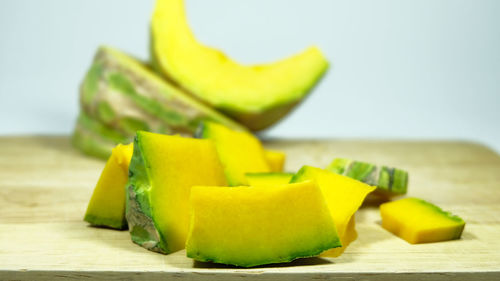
[297,177]
[437,209]
[141,223]
[334,243]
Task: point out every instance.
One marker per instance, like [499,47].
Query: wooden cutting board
[45,186]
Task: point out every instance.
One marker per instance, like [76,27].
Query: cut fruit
[418,221]
[123,95]
[162,171]
[268,179]
[95,139]
[107,205]
[343,195]
[256,96]
[239,152]
[275,159]
[389,181]
[250,226]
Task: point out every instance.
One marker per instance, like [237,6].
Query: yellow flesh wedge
[222,82]
[249,226]
[343,195]
[239,152]
[107,205]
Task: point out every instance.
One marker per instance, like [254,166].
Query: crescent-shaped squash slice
[255,95]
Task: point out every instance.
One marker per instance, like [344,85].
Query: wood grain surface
[45,186]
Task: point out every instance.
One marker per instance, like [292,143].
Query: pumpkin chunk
[418,221]
[107,205]
[240,152]
[254,95]
[162,171]
[250,226]
[389,181]
[343,195]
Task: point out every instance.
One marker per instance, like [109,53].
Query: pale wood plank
[45,186]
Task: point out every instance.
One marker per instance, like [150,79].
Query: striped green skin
[95,139]
[143,230]
[125,96]
[389,181]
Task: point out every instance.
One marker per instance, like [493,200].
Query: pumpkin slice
[418,221]
[107,205]
[162,171]
[250,226]
[240,151]
[268,179]
[389,181]
[95,139]
[256,96]
[275,159]
[124,96]
[343,195]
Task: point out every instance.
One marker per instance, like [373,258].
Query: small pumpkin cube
[275,159]
[418,221]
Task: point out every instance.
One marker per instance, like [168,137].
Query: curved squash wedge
[255,95]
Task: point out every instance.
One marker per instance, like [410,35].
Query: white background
[421,69]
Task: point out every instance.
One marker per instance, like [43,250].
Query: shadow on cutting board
[373,201]
[298,262]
